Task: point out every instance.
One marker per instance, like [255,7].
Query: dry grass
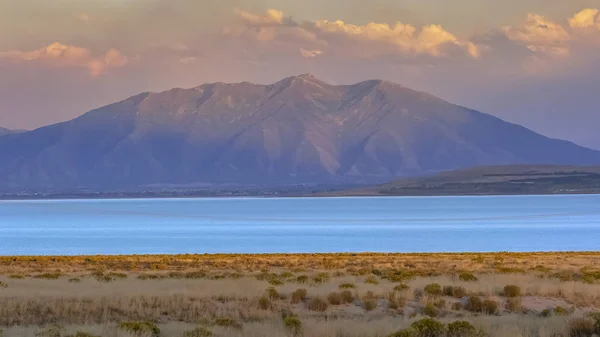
[337,295]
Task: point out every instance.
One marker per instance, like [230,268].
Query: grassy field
[316,295]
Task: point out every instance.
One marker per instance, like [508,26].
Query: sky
[530,62]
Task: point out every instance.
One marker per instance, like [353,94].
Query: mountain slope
[299,129]
[492,180]
[4,131]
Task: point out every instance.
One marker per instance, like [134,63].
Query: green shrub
[454,291]
[560,311]
[582,327]
[293,325]
[51,331]
[457,306]
[264,303]
[275,282]
[228,323]
[272,293]
[401,287]
[81,334]
[140,328]
[431,311]
[347,286]
[335,298]
[512,291]
[546,313]
[299,295]
[198,332]
[48,276]
[371,280]
[302,279]
[370,304]
[404,333]
[513,304]
[74,280]
[321,278]
[16,276]
[474,304]
[433,290]
[317,304]
[467,277]
[489,307]
[428,327]
[441,304]
[347,296]
[462,329]
[3,285]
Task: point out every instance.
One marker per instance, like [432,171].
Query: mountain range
[297,130]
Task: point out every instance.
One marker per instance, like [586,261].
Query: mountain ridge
[299,129]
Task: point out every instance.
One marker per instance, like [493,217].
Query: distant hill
[494,180]
[4,131]
[298,130]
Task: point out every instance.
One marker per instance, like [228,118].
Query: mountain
[4,131]
[297,130]
[491,180]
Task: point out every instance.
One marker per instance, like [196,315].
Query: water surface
[282,225]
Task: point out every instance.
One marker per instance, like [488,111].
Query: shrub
[51,331]
[335,298]
[428,327]
[370,304]
[293,325]
[317,304]
[401,287]
[229,323]
[299,295]
[512,291]
[74,280]
[431,311]
[454,291]
[264,303]
[3,285]
[347,286]
[302,279]
[347,296]
[474,304]
[467,277]
[441,304]
[371,280]
[433,290]
[16,276]
[272,293]
[48,276]
[513,304]
[198,332]
[582,327]
[457,306]
[81,334]
[560,311]
[489,307]
[404,333]
[462,329]
[275,282]
[140,328]
[321,278]
[546,313]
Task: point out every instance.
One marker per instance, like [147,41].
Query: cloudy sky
[532,62]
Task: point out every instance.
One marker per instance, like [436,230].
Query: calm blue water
[394,224]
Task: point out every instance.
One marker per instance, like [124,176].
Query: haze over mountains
[298,130]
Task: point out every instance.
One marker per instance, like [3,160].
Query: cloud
[272,17]
[540,35]
[310,53]
[58,54]
[401,39]
[585,18]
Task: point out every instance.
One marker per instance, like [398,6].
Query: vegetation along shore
[328,295]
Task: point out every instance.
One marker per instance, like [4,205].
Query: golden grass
[362,295]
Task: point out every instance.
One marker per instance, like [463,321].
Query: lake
[298,225]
